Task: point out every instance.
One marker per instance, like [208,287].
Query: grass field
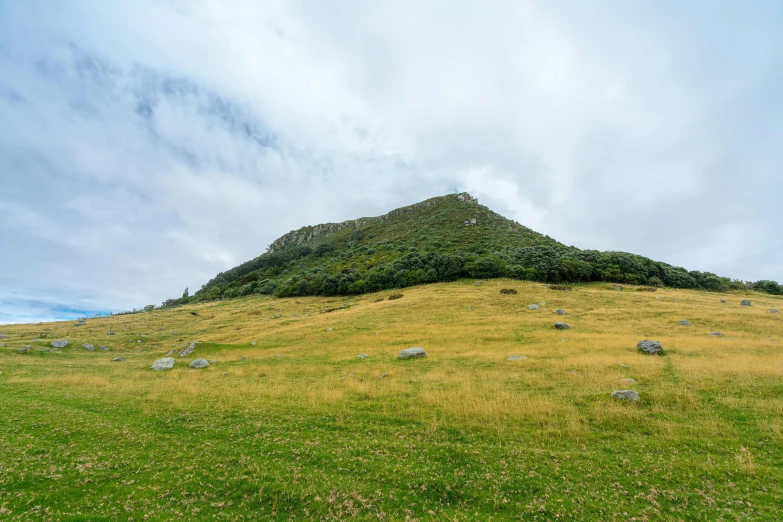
[296,427]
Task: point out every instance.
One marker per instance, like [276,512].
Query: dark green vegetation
[437,240]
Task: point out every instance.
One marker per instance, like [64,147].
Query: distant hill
[439,239]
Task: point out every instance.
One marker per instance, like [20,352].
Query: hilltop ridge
[436,240]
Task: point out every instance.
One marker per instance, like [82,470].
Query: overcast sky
[146,146]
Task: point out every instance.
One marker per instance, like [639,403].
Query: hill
[288,423]
[440,239]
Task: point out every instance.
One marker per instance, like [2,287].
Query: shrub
[394,296]
[507,291]
[562,288]
[149,308]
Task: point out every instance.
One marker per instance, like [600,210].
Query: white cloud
[146,146]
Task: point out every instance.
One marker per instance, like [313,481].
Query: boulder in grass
[649,347]
[88,347]
[516,358]
[361,356]
[746,302]
[532,307]
[23,349]
[625,395]
[773,311]
[722,300]
[166,363]
[119,358]
[561,326]
[58,344]
[716,334]
[112,333]
[684,323]
[104,348]
[411,353]
[188,350]
[199,363]
[560,311]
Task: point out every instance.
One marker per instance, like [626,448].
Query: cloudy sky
[147,145]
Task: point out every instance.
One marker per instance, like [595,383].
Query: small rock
[413,352]
[104,348]
[561,326]
[722,300]
[629,381]
[58,344]
[624,365]
[169,353]
[224,373]
[139,341]
[516,358]
[253,343]
[560,311]
[618,288]
[683,322]
[2,336]
[773,311]
[542,303]
[716,334]
[119,358]
[109,333]
[329,329]
[478,283]
[23,349]
[649,347]
[383,376]
[532,307]
[188,350]
[44,349]
[625,395]
[745,302]
[167,363]
[199,363]
[361,356]
[88,347]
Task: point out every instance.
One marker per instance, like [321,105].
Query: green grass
[315,433]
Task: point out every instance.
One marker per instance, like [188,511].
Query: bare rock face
[625,395]
[166,363]
[649,347]
[411,353]
[746,302]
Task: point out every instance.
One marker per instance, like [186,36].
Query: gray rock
[625,395]
[478,283]
[329,329]
[773,311]
[88,347]
[542,303]
[199,363]
[722,300]
[167,363]
[44,349]
[516,358]
[109,333]
[188,350]
[383,376]
[683,322]
[119,358]
[413,352]
[532,307]
[169,353]
[649,347]
[253,343]
[58,344]
[618,288]
[104,348]
[23,349]
[560,311]
[716,334]
[561,326]
[628,381]
[361,356]
[2,336]
[746,302]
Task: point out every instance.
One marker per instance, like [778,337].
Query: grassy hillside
[297,427]
[437,240]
